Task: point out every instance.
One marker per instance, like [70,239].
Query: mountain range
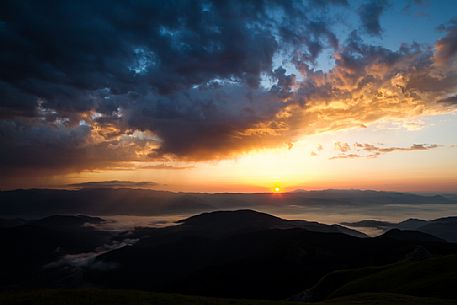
[235,254]
[445,228]
[107,201]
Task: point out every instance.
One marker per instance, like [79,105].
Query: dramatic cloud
[449,100]
[446,48]
[95,85]
[114,184]
[31,148]
[188,73]
[370,83]
[369,15]
[381,149]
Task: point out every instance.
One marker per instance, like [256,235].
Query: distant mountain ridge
[67,220]
[411,235]
[43,202]
[444,228]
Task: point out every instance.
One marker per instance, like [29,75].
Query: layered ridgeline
[230,254]
[445,228]
[108,201]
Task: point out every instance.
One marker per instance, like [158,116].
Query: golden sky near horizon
[334,159]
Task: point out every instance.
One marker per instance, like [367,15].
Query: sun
[277,189]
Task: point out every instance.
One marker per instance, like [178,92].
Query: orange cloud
[375,150]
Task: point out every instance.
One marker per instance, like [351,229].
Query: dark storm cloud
[25,145]
[369,14]
[447,46]
[449,100]
[63,51]
[329,2]
[188,71]
[204,121]
[38,147]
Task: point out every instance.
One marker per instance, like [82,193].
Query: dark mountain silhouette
[370,196]
[411,235]
[369,223]
[43,202]
[443,228]
[410,224]
[11,222]
[28,247]
[59,221]
[229,222]
[240,259]
[237,254]
[244,218]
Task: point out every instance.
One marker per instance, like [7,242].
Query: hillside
[131,297]
[240,254]
[444,228]
[228,254]
[433,277]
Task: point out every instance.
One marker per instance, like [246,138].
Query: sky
[229,96]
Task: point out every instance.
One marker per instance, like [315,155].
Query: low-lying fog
[323,214]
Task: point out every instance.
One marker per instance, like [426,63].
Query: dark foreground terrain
[240,254]
[131,297]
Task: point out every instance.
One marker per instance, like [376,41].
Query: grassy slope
[125,297]
[385,299]
[392,284]
[435,277]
